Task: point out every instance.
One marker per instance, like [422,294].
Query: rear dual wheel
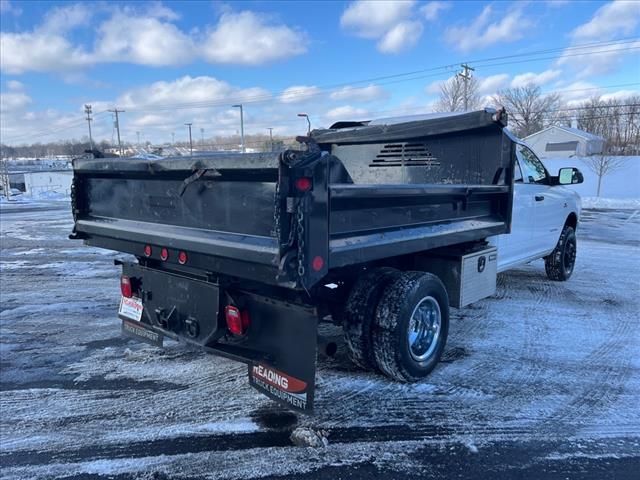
[405,322]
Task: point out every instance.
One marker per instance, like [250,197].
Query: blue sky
[167,63]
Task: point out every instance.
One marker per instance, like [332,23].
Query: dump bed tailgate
[218,206]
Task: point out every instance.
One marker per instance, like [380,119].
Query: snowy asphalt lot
[541,381]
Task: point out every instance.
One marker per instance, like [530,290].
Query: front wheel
[560,263]
[411,326]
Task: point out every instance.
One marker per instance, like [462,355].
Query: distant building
[557,141]
[48,182]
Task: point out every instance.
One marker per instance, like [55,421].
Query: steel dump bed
[348,196]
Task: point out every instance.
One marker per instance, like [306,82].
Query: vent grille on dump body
[408,154]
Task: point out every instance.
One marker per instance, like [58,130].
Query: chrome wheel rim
[424,329]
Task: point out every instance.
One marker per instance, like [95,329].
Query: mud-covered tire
[359,314]
[391,337]
[560,263]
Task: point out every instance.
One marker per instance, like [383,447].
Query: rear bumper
[279,346]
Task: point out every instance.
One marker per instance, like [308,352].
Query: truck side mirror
[570,176]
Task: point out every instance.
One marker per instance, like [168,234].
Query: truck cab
[542,208]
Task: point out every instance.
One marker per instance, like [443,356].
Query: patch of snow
[610,203]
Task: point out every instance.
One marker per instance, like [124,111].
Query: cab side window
[531,166]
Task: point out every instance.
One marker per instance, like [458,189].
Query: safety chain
[276,211]
[300,231]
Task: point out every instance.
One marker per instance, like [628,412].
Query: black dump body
[377,191]
[264,233]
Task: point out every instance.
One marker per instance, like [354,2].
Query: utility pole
[173,138]
[466,77]
[87,110]
[190,140]
[116,111]
[6,179]
[241,125]
[271,137]
[202,136]
[138,134]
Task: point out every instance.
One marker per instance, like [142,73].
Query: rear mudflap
[289,334]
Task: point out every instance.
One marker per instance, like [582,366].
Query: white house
[557,141]
[39,183]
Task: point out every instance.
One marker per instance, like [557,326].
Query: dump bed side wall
[210,203]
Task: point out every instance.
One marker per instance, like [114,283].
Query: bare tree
[617,121]
[603,165]
[452,95]
[530,111]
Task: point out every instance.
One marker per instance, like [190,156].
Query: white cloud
[612,19]
[186,91]
[369,19]
[538,79]
[578,92]
[619,95]
[401,37]
[490,85]
[249,39]
[346,112]
[142,40]
[487,30]
[15,85]
[145,36]
[360,94]
[64,19]
[14,101]
[391,22]
[432,9]
[435,86]
[602,59]
[40,52]
[299,93]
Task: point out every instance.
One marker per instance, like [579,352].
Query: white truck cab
[545,217]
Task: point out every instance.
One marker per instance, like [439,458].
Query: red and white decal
[278,379]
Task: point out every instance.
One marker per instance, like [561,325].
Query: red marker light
[234,319]
[182,258]
[125,286]
[147,250]
[317,263]
[304,184]
[164,254]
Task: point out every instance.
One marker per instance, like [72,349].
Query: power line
[223,101]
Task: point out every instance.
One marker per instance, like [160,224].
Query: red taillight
[147,250]
[164,254]
[304,184]
[125,286]
[182,258]
[237,322]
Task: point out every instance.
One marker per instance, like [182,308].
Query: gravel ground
[540,381]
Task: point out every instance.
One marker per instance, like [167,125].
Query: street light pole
[271,137]
[241,125]
[304,115]
[190,140]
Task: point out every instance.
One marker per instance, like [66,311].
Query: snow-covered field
[541,381]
